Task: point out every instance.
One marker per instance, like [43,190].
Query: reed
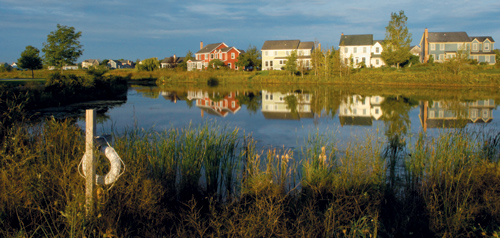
[210,180]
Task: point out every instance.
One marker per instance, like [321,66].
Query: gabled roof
[280,44]
[209,48]
[448,37]
[306,45]
[348,40]
[482,38]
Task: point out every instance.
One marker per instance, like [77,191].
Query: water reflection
[216,103]
[284,116]
[286,106]
[452,114]
[357,110]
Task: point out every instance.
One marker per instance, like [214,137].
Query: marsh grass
[210,180]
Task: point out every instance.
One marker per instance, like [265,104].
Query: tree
[183,64]
[497,57]
[30,59]
[215,64]
[150,64]
[62,47]
[396,46]
[251,58]
[291,62]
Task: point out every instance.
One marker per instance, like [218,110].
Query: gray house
[443,46]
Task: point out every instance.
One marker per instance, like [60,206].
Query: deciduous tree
[30,59]
[150,64]
[396,46]
[62,47]
[251,58]
[291,62]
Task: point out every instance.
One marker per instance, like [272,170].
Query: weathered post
[90,169]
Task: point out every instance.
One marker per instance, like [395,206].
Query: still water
[286,117]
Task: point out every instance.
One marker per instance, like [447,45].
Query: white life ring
[115,162]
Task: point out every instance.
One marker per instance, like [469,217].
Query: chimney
[175,58]
[319,46]
[201,45]
[342,34]
[426,45]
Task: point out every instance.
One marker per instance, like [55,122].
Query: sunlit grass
[209,180]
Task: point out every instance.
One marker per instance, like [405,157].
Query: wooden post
[90,170]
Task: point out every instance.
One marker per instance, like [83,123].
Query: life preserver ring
[114,172]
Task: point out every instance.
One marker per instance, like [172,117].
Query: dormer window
[486,46]
[474,46]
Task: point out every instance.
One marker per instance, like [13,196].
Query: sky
[131,29]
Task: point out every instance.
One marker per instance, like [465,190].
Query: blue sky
[131,29]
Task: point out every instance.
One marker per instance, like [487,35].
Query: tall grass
[210,180]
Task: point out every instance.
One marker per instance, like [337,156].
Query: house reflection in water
[171,96]
[455,115]
[360,111]
[286,106]
[217,105]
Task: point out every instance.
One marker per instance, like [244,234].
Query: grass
[210,180]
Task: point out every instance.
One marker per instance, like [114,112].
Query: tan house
[276,52]
[90,63]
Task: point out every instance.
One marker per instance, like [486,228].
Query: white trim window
[266,53]
[355,50]
[346,50]
[441,46]
[377,50]
[441,56]
[433,46]
[474,46]
[364,49]
[233,55]
[486,46]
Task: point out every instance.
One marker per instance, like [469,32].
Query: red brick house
[228,55]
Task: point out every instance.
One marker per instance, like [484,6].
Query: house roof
[448,37]
[482,38]
[348,40]
[209,48]
[306,45]
[280,44]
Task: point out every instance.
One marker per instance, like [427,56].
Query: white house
[357,49]
[276,52]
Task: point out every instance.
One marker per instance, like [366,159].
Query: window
[354,111]
[377,61]
[486,46]
[433,46]
[229,65]
[267,96]
[211,56]
[363,59]
[233,104]
[377,50]
[281,61]
[266,53]
[287,53]
[487,59]
[232,55]
[271,97]
[355,49]
[474,46]
[364,49]
[441,56]
[376,111]
[271,63]
[267,63]
[364,111]
[275,53]
[216,56]
[441,46]
[206,56]
[346,50]
[345,110]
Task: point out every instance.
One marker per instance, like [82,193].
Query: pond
[285,116]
